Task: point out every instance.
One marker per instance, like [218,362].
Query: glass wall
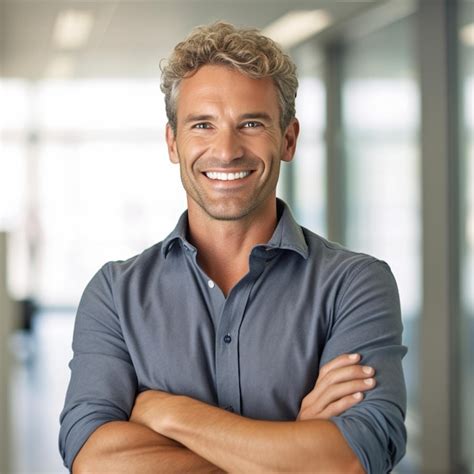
[466,346]
[86,179]
[309,166]
[380,115]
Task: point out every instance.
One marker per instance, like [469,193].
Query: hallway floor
[39,379]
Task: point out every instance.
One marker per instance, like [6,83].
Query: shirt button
[227,339]
[211,284]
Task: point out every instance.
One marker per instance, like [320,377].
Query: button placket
[227,340]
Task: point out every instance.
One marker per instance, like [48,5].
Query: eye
[202,125]
[251,124]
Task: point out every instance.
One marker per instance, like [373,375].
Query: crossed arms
[173,433]
[105,427]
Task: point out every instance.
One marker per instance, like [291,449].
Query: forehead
[228,89]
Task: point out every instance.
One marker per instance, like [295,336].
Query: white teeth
[227,176]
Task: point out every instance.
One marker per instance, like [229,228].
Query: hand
[151,407]
[340,385]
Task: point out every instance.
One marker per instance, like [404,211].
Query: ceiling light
[466,34]
[72,29]
[297,26]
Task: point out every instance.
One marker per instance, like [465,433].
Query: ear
[171,143]
[290,139]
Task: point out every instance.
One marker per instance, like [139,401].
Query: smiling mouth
[215,175]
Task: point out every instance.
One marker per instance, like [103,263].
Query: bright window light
[94,105]
[368,101]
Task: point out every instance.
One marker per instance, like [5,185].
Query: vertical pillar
[440,161]
[336,179]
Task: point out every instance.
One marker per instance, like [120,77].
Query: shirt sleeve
[367,320]
[103,382]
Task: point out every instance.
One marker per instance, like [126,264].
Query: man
[242,342]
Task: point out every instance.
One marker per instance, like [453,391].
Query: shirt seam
[351,278]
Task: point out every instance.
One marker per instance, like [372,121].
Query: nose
[227,145]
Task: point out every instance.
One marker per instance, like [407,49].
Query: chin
[227,213]
[226,216]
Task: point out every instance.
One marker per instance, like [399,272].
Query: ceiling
[129,37]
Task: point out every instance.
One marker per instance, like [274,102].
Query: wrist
[167,415]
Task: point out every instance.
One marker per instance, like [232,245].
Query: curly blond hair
[243,49]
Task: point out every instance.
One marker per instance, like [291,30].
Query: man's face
[229,143]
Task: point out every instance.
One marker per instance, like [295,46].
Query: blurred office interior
[385,165]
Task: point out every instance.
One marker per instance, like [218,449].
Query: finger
[340,361]
[334,386]
[344,374]
[340,375]
[341,405]
[319,399]
[334,409]
[337,391]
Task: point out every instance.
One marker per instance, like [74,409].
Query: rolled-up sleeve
[103,381]
[367,320]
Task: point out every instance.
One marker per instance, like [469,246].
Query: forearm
[121,446]
[238,444]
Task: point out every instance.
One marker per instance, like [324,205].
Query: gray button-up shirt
[157,321]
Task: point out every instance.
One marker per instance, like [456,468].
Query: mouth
[219,176]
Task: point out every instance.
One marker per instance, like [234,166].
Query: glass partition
[85,178]
[309,165]
[381,117]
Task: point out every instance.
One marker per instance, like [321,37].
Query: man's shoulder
[332,256]
[138,265]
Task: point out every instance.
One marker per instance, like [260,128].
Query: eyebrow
[205,117]
[256,115]
[198,118]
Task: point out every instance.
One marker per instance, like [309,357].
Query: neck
[224,246]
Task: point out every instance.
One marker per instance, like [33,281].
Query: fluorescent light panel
[297,26]
[466,34]
[72,29]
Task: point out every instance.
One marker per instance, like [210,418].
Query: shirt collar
[178,233]
[288,235]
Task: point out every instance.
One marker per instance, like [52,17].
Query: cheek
[191,150]
[266,145]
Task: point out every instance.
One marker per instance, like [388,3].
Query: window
[380,115]
[99,183]
[309,170]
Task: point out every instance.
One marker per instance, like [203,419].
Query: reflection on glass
[466,347]
[380,124]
